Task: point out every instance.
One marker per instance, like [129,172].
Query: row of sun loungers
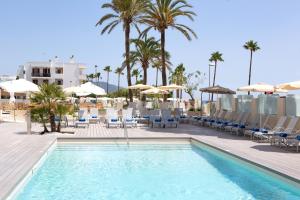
[278,130]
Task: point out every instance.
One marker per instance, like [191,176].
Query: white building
[65,74]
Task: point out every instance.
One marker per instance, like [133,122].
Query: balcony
[35,74]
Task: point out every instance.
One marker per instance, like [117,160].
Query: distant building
[65,74]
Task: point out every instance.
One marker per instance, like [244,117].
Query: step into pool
[93,171]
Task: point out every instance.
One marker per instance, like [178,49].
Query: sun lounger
[267,131]
[94,116]
[262,122]
[249,123]
[293,141]
[227,118]
[210,121]
[168,120]
[180,116]
[234,123]
[128,119]
[112,118]
[280,137]
[82,118]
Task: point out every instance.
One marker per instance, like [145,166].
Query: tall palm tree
[119,72]
[96,66]
[147,50]
[127,13]
[158,65]
[136,73]
[107,69]
[163,14]
[215,58]
[252,47]
[178,77]
[98,76]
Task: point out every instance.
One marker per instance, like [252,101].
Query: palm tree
[252,47]
[178,77]
[136,73]
[119,72]
[107,69]
[47,99]
[98,76]
[163,14]
[147,50]
[96,66]
[128,13]
[215,57]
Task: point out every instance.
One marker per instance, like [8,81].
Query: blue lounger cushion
[157,120]
[82,120]
[171,120]
[297,137]
[282,134]
[242,126]
[94,116]
[129,120]
[113,120]
[263,130]
[255,129]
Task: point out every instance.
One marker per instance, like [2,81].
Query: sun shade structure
[172,87]
[93,89]
[140,87]
[155,91]
[19,86]
[259,87]
[86,89]
[217,90]
[289,86]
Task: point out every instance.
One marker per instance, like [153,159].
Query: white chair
[94,116]
[128,120]
[168,120]
[112,119]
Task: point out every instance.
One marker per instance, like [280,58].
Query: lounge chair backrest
[127,114]
[222,114]
[291,125]
[111,113]
[166,114]
[178,112]
[94,111]
[239,117]
[82,113]
[155,112]
[280,123]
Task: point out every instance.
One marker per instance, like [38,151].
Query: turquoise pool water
[144,172]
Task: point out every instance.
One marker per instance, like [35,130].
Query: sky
[35,30]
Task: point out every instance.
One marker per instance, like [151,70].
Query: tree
[147,50]
[107,69]
[128,13]
[215,57]
[136,73]
[46,101]
[193,80]
[98,76]
[163,14]
[252,47]
[178,77]
[119,72]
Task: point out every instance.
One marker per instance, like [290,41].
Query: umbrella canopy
[289,86]
[19,86]
[85,90]
[140,87]
[172,87]
[217,90]
[262,87]
[155,91]
[93,89]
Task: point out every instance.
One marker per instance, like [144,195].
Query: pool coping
[24,179]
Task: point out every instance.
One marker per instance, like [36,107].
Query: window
[59,81]
[59,70]
[35,81]
[45,81]
[46,72]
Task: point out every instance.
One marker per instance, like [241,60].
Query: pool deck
[19,151]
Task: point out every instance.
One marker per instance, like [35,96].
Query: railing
[40,74]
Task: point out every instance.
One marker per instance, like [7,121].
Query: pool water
[144,172]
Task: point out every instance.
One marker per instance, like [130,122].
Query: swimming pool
[85,171]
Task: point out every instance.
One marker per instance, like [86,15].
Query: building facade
[65,74]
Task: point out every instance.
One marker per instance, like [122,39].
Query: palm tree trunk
[156,77]
[250,70]
[127,52]
[118,83]
[163,58]
[145,77]
[52,122]
[107,82]
[214,81]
